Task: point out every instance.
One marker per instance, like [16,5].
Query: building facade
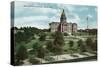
[63,25]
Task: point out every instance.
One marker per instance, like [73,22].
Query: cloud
[43,17]
[40,17]
[55,19]
[43,10]
[95,9]
[93,25]
[83,9]
[56,16]
[70,8]
[74,19]
[34,11]
[21,4]
[36,21]
[90,16]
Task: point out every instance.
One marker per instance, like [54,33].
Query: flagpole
[87,24]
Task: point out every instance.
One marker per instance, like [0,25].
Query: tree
[38,50]
[93,31]
[19,37]
[59,38]
[71,44]
[58,43]
[42,37]
[89,43]
[65,34]
[81,46]
[36,46]
[21,53]
[49,46]
[41,52]
[94,46]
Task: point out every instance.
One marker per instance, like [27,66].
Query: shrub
[65,34]
[49,45]
[94,46]
[42,37]
[49,58]
[34,61]
[21,54]
[89,43]
[71,44]
[41,52]
[36,46]
[81,46]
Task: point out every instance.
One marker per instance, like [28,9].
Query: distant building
[63,25]
[54,26]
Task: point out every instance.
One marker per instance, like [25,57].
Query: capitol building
[63,25]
